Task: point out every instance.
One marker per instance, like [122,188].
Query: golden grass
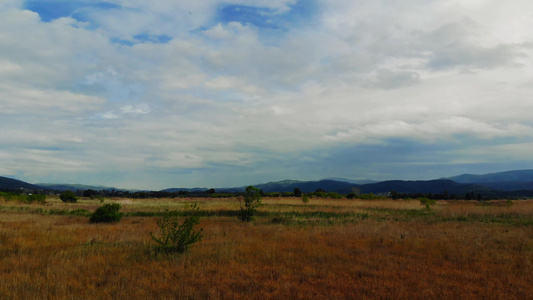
[379,257]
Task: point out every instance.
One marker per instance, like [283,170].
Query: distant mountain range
[73,187]
[509,176]
[356,181]
[490,184]
[504,181]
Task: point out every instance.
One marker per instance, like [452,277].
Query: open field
[326,249]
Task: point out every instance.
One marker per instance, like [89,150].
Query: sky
[171,93]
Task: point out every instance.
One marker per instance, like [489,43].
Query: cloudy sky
[171,93]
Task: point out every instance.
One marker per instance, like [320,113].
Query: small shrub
[108,213]
[305,199]
[252,200]
[427,202]
[176,237]
[68,197]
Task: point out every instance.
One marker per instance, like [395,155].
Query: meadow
[325,249]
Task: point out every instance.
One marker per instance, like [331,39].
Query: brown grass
[413,256]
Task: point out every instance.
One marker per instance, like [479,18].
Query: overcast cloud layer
[156,94]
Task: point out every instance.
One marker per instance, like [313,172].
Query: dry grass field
[326,249]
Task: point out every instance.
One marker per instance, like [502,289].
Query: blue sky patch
[49,11]
[143,38]
[155,39]
[299,14]
[122,41]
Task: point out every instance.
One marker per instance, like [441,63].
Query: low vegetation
[176,237]
[249,204]
[324,249]
[31,198]
[68,196]
[108,213]
[427,202]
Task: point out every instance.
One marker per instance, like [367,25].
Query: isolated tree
[250,203]
[297,192]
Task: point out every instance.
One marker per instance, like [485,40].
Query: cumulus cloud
[200,89]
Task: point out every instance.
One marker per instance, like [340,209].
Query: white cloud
[236,94]
[20,99]
[229,83]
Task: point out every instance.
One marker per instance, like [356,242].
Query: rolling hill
[503,181]
[73,187]
[508,176]
[519,182]
[14,184]
[422,186]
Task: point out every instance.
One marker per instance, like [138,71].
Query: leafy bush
[252,200]
[68,196]
[305,199]
[427,202]
[175,237]
[108,213]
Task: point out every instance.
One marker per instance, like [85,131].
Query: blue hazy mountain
[14,184]
[502,181]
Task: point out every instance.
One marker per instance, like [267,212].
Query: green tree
[68,196]
[252,200]
[297,192]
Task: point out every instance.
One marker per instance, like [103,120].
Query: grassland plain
[326,249]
